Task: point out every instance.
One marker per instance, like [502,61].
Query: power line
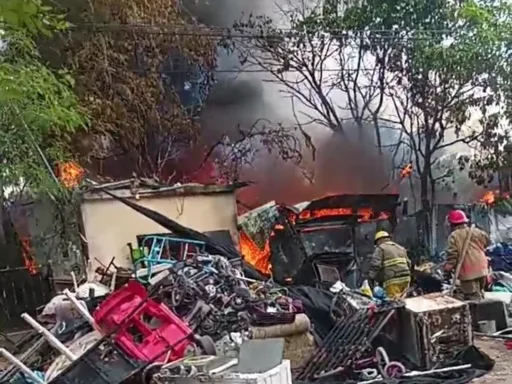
[272,71]
[242,70]
[227,29]
[205,31]
[221,32]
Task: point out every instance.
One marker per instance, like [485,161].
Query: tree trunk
[378,136]
[360,129]
[433,237]
[499,168]
[2,212]
[425,206]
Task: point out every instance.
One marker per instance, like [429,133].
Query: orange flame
[365,214]
[406,171]
[259,258]
[28,258]
[488,198]
[70,174]
[306,215]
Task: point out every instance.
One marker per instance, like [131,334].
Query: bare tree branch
[301,62]
[232,154]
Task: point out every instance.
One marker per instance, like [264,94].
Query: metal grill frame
[348,341]
[323,270]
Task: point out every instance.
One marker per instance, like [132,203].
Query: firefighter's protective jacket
[389,264]
[475,263]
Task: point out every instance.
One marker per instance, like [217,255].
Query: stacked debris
[217,300]
[203,305]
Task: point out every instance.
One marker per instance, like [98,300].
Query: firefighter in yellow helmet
[390,266]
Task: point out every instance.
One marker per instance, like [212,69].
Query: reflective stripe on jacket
[390,264]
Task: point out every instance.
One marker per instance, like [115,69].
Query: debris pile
[205,313]
[203,305]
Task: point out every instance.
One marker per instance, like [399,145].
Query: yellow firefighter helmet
[381,235]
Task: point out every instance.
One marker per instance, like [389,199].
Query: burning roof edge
[345,200]
[147,187]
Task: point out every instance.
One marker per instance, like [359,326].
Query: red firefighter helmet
[457,217]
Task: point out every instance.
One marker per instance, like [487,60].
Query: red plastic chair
[144,329]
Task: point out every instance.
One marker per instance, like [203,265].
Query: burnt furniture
[433,328]
[329,239]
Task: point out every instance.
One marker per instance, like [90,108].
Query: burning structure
[318,242]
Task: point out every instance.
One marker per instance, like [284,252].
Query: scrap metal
[216,300]
[348,341]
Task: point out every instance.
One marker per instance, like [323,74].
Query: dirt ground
[502,372]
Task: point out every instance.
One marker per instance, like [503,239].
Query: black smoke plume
[343,164]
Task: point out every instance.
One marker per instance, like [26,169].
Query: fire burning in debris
[490,197]
[406,171]
[70,174]
[364,214]
[258,258]
[28,258]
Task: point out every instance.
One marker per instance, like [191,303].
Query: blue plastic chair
[156,246]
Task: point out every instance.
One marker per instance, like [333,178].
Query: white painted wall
[110,225]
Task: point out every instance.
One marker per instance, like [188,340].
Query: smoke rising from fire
[340,165]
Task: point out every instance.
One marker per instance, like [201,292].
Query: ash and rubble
[286,308]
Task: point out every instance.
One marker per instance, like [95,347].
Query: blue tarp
[501,257]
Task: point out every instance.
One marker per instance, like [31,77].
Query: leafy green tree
[445,60]
[489,163]
[38,109]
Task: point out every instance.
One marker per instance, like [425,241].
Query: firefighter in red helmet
[474,268]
